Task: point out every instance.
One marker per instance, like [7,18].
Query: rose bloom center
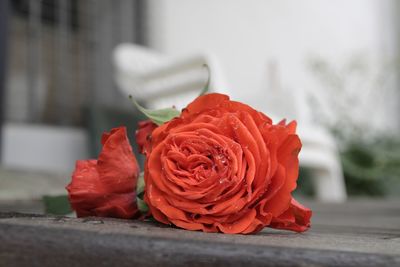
[202,161]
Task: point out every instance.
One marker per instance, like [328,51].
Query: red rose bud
[143,134]
[106,187]
[222,166]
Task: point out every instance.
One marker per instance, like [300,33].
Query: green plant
[57,205]
[370,167]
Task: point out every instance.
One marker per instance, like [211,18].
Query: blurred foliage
[304,183]
[57,205]
[371,167]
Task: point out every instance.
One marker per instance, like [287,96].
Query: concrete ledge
[34,240]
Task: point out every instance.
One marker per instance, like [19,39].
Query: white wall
[247,35]
[35,147]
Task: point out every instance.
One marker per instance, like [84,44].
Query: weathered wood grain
[27,240]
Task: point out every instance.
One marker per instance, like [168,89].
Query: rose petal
[287,157]
[204,102]
[117,165]
[296,218]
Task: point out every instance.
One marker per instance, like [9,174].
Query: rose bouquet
[217,166]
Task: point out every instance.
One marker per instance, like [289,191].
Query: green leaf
[158,116]
[140,184]
[207,86]
[57,205]
[142,206]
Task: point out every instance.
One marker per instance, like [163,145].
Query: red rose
[106,187]
[223,166]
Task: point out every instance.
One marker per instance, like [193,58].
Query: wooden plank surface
[358,233]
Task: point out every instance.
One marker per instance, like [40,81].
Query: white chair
[160,81]
[320,155]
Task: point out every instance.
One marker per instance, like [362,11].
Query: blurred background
[68,66]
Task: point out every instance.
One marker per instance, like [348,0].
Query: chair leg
[329,185]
